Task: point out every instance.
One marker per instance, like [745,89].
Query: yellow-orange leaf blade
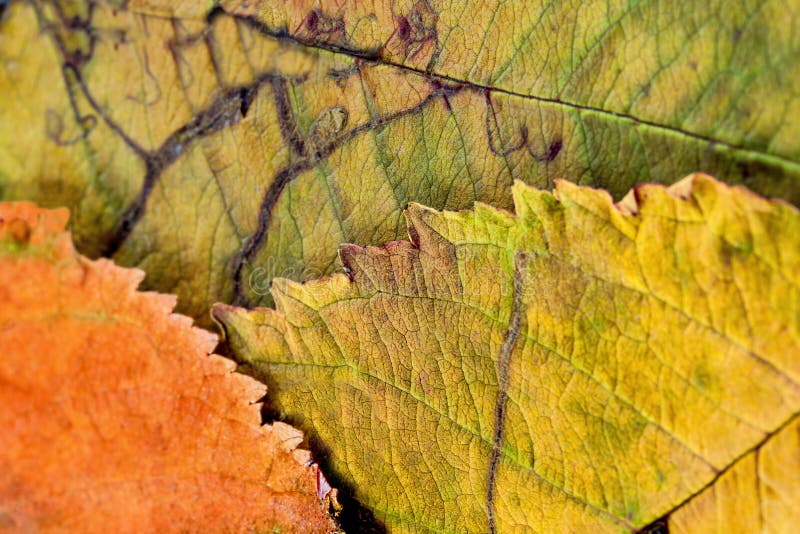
[117,417]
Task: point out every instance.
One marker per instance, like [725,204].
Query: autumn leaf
[115,414]
[579,366]
[217,145]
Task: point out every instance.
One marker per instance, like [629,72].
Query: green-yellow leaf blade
[579,365]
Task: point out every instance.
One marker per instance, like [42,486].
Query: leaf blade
[640,370]
[117,412]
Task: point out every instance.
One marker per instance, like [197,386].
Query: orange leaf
[115,414]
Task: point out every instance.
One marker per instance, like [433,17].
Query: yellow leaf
[219,145]
[579,366]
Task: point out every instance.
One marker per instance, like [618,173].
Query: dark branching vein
[377,57]
[286,118]
[256,241]
[503,364]
[227,109]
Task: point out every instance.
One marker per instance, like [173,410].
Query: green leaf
[578,366]
[220,145]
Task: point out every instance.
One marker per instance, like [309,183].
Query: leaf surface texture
[577,366]
[116,415]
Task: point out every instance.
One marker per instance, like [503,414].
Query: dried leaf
[579,366]
[219,145]
[115,414]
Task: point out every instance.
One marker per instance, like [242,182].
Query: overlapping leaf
[218,145]
[578,366]
[115,417]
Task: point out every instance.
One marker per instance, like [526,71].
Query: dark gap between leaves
[354,516]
